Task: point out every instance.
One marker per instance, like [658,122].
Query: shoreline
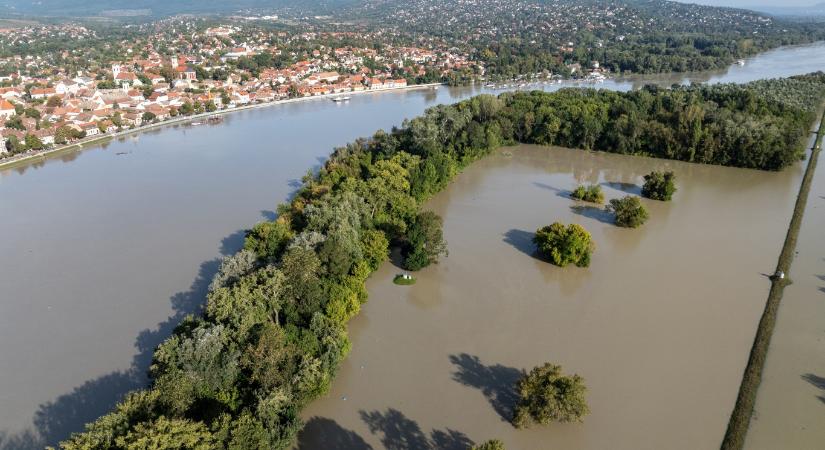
[86,143]
[742,414]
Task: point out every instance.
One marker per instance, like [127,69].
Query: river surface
[105,249]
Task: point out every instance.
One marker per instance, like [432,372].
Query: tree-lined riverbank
[273,334]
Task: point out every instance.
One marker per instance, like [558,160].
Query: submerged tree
[659,185]
[629,211]
[545,395]
[563,245]
[492,444]
[592,193]
[425,241]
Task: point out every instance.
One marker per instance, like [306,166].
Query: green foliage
[148,116]
[492,444]
[592,193]
[659,185]
[33,142]
[401,280]
[167,434]
[424,241]
[629,211]
[563,245]
[15,122]
[268,239]
[545,396]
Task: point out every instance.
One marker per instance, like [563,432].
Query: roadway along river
[104,250]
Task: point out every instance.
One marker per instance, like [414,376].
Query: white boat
[341,99]
[741,62]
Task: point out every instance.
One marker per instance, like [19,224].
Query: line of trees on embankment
[273,334]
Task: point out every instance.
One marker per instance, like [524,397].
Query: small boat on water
[194,124]
[341,99]
[741,62]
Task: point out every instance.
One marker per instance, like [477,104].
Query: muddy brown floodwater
[659,326]
[790,403]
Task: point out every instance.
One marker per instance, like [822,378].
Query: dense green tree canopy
[546,395]
[629,211]
[563,245]
[659,185]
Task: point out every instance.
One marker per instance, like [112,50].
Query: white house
[6,109]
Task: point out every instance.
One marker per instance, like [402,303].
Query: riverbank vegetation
[592,193]
[563,245]
[628,211]
[659,185]
[492,444]
[273,332]
[546,395]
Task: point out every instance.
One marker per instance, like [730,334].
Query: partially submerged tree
[659,185]
[492,444]
[425,241]
[629,211]
[545,395]
[563,245]
[592,193]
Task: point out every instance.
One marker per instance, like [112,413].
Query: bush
[564,245]
[659,185]
[425,241]
[492,444]
[545,395]
[629,211]
[592,193]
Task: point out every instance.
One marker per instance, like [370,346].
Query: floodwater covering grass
[743,410]
[404,280]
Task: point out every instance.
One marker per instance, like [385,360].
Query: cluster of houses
[208,70]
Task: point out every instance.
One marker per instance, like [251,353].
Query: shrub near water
[629,211]
[659,185]
[592,193]
[545,395]
[563,245]
[492,444]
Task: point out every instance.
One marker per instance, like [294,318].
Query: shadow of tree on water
[563,193]
[398,432]
[818,382]
[496,382]
[594,212]
[56,420]
[321,433]
[522,241]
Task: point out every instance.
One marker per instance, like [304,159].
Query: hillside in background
[158,8]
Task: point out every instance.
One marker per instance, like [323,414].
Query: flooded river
[790,405]
[659,326]
[104,250]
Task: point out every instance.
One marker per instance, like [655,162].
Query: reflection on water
[663,317]
[98,243]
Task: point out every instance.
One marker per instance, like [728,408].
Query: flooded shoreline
[790,402]
[661,354]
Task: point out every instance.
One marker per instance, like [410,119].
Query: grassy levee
[743,410]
